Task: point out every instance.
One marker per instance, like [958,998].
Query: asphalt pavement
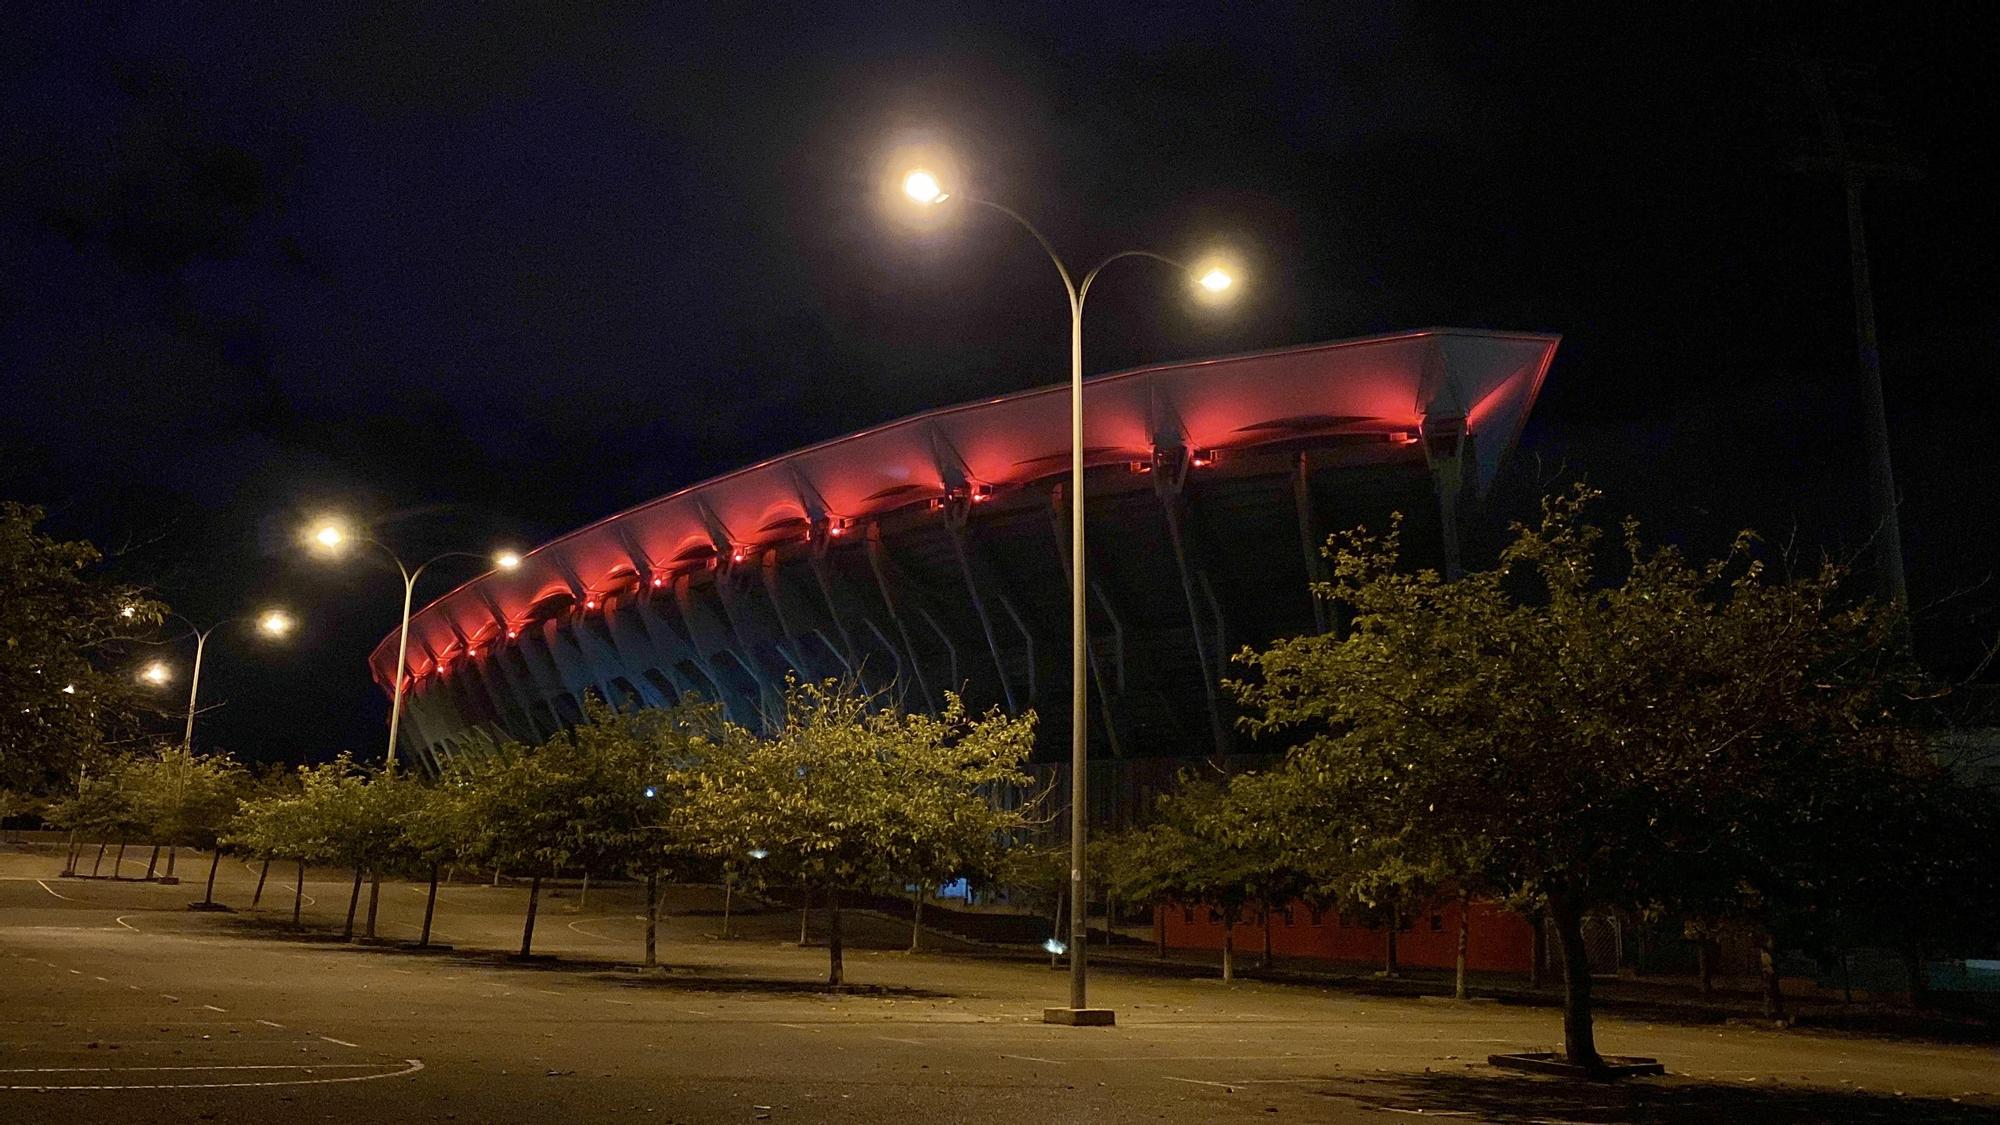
[117,1004]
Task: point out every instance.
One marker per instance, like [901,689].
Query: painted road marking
[1200,1082]
[106,980]
[127,925]
[213,1008]
[342,1042]
[52,891]
[268,1023]
[1038,1059]
[410,1066]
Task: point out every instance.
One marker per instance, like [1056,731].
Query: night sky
[480,279]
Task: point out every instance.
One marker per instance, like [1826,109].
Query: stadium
[928,554]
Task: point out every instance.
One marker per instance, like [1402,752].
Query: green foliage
[64,696]
[1588,725]
[849,795]
[182,798]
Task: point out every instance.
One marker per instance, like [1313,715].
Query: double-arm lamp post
[333,537]
[1215,281]
[273,623]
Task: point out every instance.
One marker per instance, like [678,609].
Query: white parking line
[410,1066]
[342,1042]
[213,1008]
[53,891]
[268,1023]
[127,925]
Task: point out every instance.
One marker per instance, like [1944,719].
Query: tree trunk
[728,891]
[583,896]
[374,898]
[1913,965]
[1228,946]
[1392,965]
[1110,916]
[1265,910]
[214,861]
[172,849]
[1704,956]
[836,971]
[1538,958]
[261,873]
[652,918]
[1160,929]
[496,876]
[299,893]
[805,909]
[96,863]
[1464,943]
[430,909]
[916,919]
[118,864]
[1767,967]
[1579,1038]
[353,902]
[528,927]
[153,862]
[75,849]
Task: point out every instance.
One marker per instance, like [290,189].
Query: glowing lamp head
[760,853]
[128,611]
[923,187]
[507,560]
[276,623]
[156,674]
[1215,280]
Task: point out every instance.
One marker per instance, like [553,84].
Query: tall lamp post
[924,188]
[332,537]
[273,623]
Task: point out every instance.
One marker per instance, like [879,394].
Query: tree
[1593,726]
[101,807]
[1199,854]
[848,792]
[63,630]
[185,800]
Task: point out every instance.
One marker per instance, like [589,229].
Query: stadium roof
[1376,388]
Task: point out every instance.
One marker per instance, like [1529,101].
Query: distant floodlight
[923,187]
[1055,947]
[760,853]
[651,792]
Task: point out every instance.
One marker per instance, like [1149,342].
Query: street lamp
[924,188]
[157,674]
[331,537]
[273,623]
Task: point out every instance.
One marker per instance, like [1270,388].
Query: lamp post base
[1080,1017]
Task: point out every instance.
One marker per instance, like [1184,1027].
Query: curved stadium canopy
[927,554]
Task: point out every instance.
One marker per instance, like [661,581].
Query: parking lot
[117,1004]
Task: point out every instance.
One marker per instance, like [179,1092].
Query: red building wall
[1499,941]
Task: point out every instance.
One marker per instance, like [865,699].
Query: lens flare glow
[923,187]
[156,673]
[276,622]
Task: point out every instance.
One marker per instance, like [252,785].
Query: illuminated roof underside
[1380,392]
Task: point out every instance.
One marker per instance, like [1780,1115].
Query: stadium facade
[927,555]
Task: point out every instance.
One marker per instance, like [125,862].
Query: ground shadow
[679,976]
[1506,1098]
